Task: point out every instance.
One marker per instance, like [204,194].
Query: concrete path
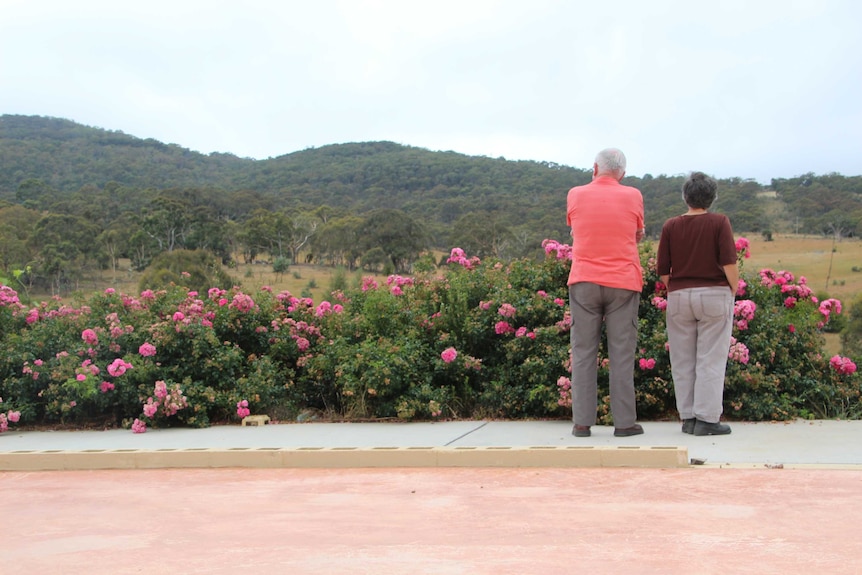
[805,443]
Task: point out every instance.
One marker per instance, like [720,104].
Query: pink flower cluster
[216,294]
[434,408]
[743,311]
[562,251]
[524,332]
[565,324]
[843,365]
[784,280]
[300,331]
[325,308]
[828,306]
[151,407]
[89,336]
[27,370]
[502,327]
[32,316]
[646,364]
[87,368]
[738,351]
[369,283]
[147,349]
[9,417]
[507,310]
[115,326]
[800,291]
[242,302]
[659,302]
[118,367]
[742,245]
[770,278]
[193,310]
[167,402]
[564,385]
[449,354]
[9,298]
[242,409]
[471,362]
[399,281]
[294,303]
[458,256]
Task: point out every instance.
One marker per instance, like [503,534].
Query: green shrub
[197,270]
[480,339]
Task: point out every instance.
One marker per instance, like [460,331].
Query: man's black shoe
[635,429]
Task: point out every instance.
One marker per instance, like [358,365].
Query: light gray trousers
[699,326]
[591,304]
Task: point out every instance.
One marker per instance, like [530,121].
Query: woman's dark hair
[699,190]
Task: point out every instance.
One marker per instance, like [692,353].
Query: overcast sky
[751,89]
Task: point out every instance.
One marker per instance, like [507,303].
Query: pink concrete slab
[440,521]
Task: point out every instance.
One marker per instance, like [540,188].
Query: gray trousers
[699,326]
[591,304]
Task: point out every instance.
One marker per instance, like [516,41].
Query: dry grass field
[300,279]
[827,265]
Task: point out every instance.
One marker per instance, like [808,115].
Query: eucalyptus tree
[336,242]
[65,246]
[263,232]
[483,235]
[167,221]
[16,226]
[301,226]
[401,237]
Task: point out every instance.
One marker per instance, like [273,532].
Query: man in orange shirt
[605,283]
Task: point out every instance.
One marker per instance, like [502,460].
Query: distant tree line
[74,199]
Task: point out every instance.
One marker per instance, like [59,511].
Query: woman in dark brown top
[697,263]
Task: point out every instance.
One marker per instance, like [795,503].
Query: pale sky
[750,89]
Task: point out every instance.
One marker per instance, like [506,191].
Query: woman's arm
[732,273]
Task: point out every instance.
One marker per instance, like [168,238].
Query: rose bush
[473,339]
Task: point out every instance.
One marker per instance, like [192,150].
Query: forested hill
[67,156]
[43,160]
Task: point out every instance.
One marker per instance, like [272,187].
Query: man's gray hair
[612,162]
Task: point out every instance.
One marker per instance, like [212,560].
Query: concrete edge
[781,466]
[347,457]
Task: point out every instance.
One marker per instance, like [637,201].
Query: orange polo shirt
[605,217]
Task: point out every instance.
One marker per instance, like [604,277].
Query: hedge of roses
[479,339]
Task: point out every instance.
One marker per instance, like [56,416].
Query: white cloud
[749,89]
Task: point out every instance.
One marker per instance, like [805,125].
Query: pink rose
[449,354]
[147,349]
